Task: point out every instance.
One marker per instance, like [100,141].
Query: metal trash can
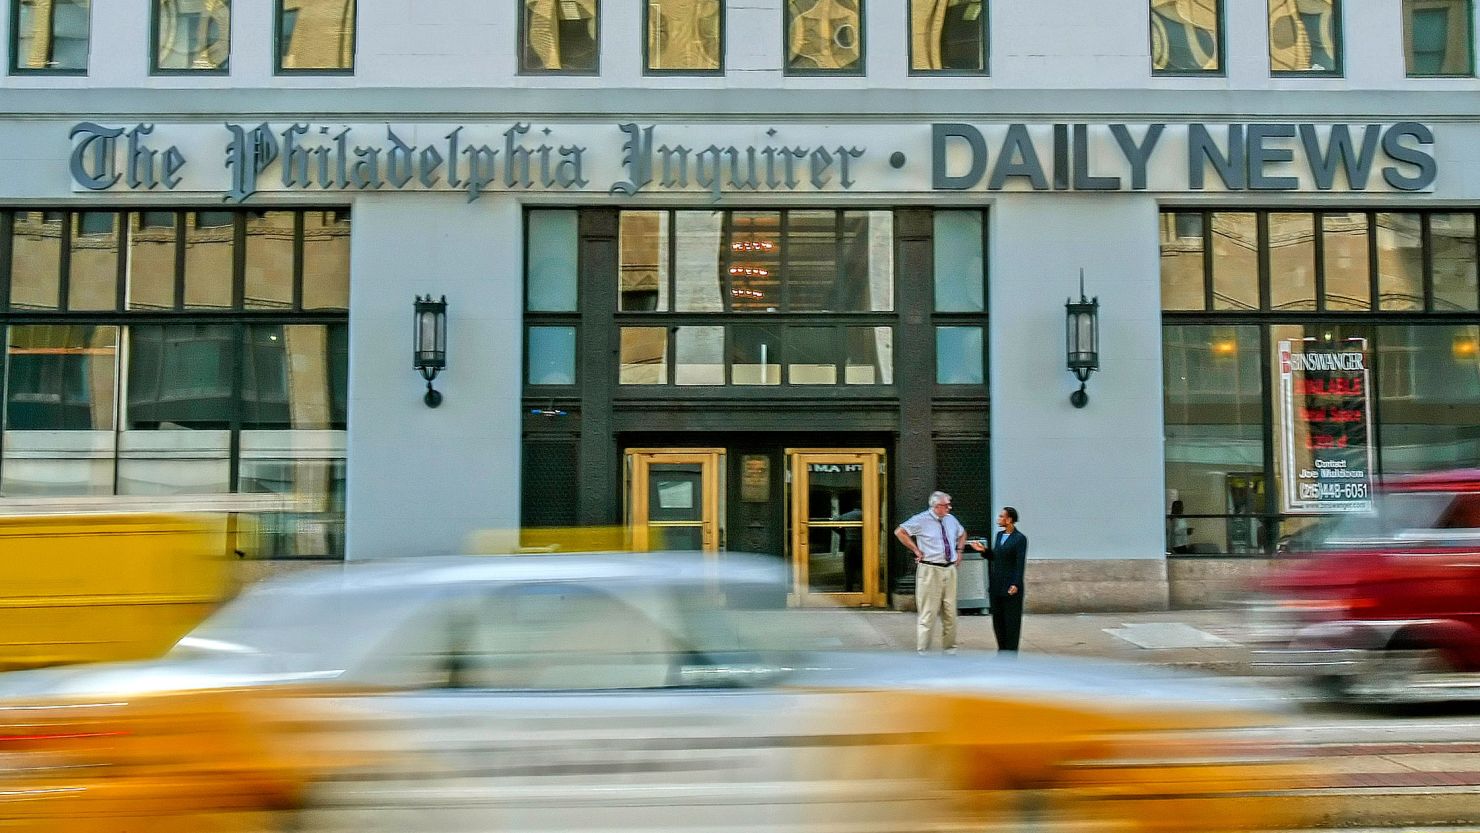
[971,583]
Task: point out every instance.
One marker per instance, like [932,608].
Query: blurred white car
[623,692]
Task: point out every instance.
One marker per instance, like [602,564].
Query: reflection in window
[316,35]
[326,260]
[685,35]
[948,35]
[1182,260]
[1347,263]
[754,355]
[1235,261]
[554,241]
[269,266]
[699,356]
[644,356]
[870,359]
[210,240]
[824,35]
[1292,261]
[1400,261]
[958,262]
[60,385]
[192,34]
[552,356]
[958,356]
[559,36]
[51,35]
[1305,36]
[36,261]
[1430,392]
[1436,37]
[1185,36]
[92,282]
[812,355]
[1452,238]
[699,287]
[177,418]
[643,257]
[151,261]
[1214,435]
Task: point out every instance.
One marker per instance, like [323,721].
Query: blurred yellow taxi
[632,692]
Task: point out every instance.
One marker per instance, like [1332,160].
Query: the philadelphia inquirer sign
[239,161]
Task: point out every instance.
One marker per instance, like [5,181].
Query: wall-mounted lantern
[1083,340]
[429,343]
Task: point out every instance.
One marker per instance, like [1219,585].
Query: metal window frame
[156,70]
[986,47]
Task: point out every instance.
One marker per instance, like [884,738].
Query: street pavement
[1387,770]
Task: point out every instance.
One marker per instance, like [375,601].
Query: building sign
[238,161]
[1325,426]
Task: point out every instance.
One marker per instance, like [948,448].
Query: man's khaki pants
[935,595]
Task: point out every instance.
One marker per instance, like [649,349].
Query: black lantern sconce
[1083,340]
[429,347]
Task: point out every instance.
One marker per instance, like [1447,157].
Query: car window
[563,635]
[1462,514]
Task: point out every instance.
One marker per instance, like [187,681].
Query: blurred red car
[1388,607]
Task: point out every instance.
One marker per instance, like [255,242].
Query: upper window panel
[49,36]
[1186,36]
[824,37]
[948,36]
[685,35]
[1437,37]
[316,35]
[1305,37]
[192,35]
[559,36]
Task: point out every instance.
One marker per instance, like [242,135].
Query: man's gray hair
[938,498]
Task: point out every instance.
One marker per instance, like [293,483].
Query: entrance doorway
[675,498]
[835,499]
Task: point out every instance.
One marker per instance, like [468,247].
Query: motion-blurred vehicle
[632,692]
[1387,607]
[87,580]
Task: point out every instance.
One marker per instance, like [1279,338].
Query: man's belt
[933,564]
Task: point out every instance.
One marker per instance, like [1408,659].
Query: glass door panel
[674,498]
[836,508]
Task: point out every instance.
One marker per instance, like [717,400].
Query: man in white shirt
[936,539]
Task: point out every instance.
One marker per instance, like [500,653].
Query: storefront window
[699,356]
[1305,37]
[192,35]
[49,36]
[824,36]
[948,36]
[559,36]
[1186,37]
[644,356]
[315,35]
[1400,261]
[552,356]
[1437,37]
[958,356]
[1452,237]
[958,262]
[1235,261]
[1429,395]
[1346,261]
[685,35]
[194,397]
[551,261]
[1183,261]
[1292,261]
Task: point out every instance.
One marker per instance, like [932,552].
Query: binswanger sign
[239,161]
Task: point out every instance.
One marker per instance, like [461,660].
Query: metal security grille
[961,470]
[549,473]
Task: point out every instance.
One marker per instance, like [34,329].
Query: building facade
[747,277]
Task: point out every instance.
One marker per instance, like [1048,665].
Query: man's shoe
[950,652]
[921,653]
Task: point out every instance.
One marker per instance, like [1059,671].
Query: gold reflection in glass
[92,280]
[316,34]
[643,254]
[1182,260]
[326,260]
[1400,261]
[1184,35]
[51,35]
[644,356]
[948,35]
[684,35]
[269,261]
[36,262]
[192,34]
[1436,37]
[1347,264]
[824,35]
[559,36]
[209,242]
[151,260]
[1304,36]
[1235,261]
[1453,239]
[1292,261]
[754,268]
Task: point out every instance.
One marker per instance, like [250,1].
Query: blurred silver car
[622,692]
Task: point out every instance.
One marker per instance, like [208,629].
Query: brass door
[835,501]
[675,498]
